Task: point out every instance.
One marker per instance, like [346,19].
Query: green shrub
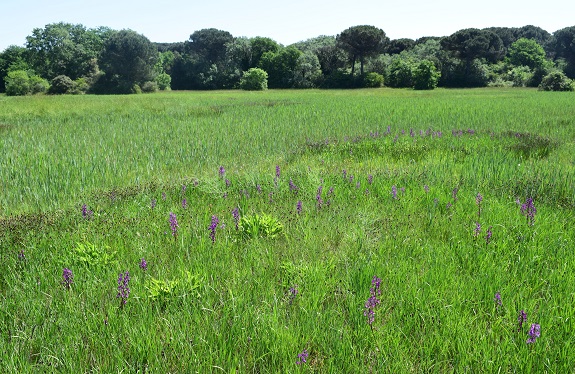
[150,87]
[556,81]
[520,76]
[81,86]
[425,76]
[371,80]
[400,73]
[38,84]
[136,89]
[61,85]
[254,79]
[337,79]
[164,81]
[17,83]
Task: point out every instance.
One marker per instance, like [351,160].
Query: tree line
[67,58]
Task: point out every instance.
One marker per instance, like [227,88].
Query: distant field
[288,231]
[55,149]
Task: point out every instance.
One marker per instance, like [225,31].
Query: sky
[286,22]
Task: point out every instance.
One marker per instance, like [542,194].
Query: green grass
[229,305]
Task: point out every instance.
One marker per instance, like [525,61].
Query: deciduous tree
[65,49]
[527,52]
[11,59]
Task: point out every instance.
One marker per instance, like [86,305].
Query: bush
[371,80]
[150,87]
[254,80]
[17,83]
[164,81]
[81,86]
[38,84]
[400,73]
[520,76]
[556,81]
[425,76]
[337,79]
[61,85]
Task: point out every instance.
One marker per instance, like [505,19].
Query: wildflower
[292,294]
[394,191]
[86,213]
[123,287]
[236,215]
[534,333]
[184,203]
[477,229]
[488,235]
[299,207]
[174,224]
[528,210]
[222,171]
[184,189]
[293,187]
[228,183]
[402,189]
[344,172]
[143,264]
[426,188]
[478,199]
[163,196]
[259,188]
[376,282]
[318,196]
[67,278]
[521,319]
[497,299]
[372,302]
[302,357]
[277,171]
[370,179]
[454,193]
[369,311]
[153,203]
[21,255]
[212,228]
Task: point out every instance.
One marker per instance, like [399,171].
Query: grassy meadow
[288,231]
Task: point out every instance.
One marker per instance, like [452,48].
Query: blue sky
[285,21]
